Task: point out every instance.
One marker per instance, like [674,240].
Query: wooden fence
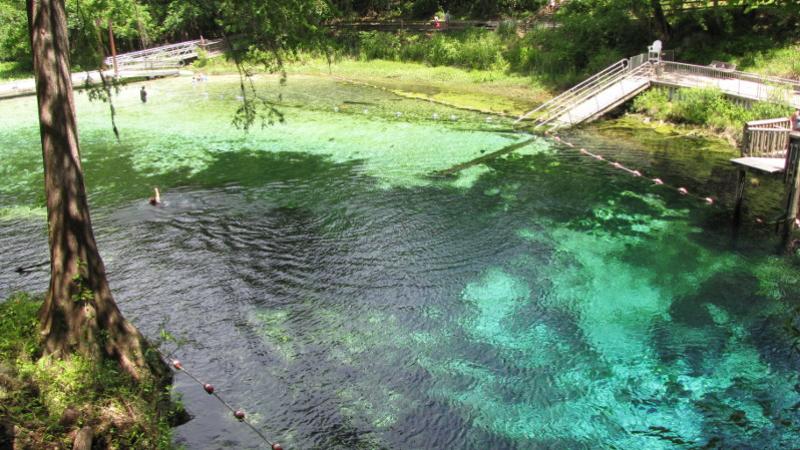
[766,138]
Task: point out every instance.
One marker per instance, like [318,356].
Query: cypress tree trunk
[663,30]
[79,315]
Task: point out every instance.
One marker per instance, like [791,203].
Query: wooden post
[793,179]
[745,141]
[737,211]
[113,47]
[790,245]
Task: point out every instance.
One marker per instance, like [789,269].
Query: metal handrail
[614,68]
[579,95]
[586,95]
[762,87]
[730,74]
[159,54]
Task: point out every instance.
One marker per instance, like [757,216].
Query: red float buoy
[276,446]
[682,191]
[709,200]
[239,414]
[177,364]
[209,388]
[636,173]
[657,181]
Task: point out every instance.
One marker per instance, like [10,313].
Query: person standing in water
[143,95]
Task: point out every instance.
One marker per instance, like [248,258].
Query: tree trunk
[79,315]
[662,25]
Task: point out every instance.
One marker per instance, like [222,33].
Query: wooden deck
[768,166]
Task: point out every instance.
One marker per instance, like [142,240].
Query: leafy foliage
[13,30]
[475,49]
[705,107]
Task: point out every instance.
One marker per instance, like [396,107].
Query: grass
[779,62]
[11,70]
[48,400]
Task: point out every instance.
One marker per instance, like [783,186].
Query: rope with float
[239,414]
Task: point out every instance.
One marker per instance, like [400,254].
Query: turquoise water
[329,279]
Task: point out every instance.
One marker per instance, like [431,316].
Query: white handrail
[712,72]
[559,112]
[166,55]
[582,86]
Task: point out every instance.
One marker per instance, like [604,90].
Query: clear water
[331,282]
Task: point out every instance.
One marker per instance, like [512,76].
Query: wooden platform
[763,165]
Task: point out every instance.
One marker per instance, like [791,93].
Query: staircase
[594,96]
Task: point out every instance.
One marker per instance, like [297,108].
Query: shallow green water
[328,281]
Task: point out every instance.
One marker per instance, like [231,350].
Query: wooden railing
[766,138]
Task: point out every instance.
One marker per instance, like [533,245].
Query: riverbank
[489,91]
[496,92]
[45,403]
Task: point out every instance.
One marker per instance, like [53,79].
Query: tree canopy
[606,26]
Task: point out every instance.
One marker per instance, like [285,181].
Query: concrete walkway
[24,87]
[745,89]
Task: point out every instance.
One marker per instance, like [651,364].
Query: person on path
[143,95]
[436,23]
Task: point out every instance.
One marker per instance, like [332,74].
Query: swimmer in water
[156,199]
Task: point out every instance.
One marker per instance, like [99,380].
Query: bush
[654,103]
[696,106]
[378,45]
[705,107]
[476,49]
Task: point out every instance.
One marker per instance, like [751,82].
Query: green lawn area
[780,62]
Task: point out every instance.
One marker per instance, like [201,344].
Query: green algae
[22,212]
[468,177]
